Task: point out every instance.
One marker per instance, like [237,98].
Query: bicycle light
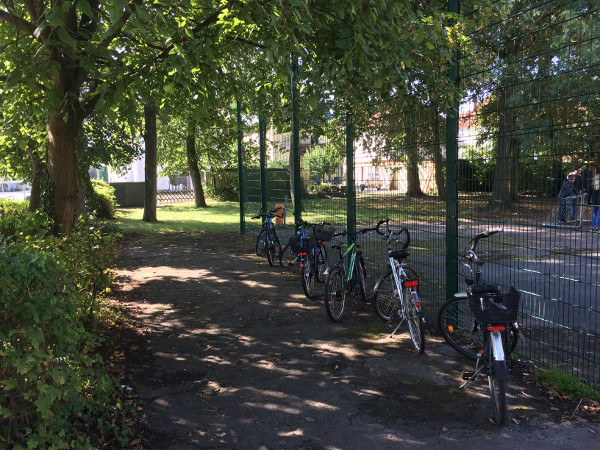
[410,283]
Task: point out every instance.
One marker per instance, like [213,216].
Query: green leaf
[84,7]
[378,83]
[55,19]
[66,38]
[429,45]
[169,88]
[419,35]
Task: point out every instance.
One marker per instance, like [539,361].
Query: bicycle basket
[324,233]
[487,313]
[296,244]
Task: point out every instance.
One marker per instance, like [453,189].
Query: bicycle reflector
[410,283]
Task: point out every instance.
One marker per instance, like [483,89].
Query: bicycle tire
[497,389]
[415,324]
[335,294]
[287,258]
[386,299]
[261,243]
[361,277]
[307,274]
[462,332]
[271,254]
[321,260]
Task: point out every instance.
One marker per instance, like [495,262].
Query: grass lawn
[182,218]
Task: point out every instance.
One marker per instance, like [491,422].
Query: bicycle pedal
[468,375]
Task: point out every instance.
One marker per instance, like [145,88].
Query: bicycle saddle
[400,254]
[486,289]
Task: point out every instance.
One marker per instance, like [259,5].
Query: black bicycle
[457,323]
[341,281]
[308,249]
[267,242]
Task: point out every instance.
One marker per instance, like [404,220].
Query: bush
[54,391]
[102,202]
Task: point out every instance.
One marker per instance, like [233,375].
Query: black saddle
[478,289]
[400,254]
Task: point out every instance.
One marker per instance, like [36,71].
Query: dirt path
[230,354]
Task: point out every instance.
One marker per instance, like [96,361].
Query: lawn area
[182,218]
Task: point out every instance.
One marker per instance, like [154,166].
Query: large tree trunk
[438,161]
[505,179]
[62,168]
[35,197]
[192,160]
[151,176]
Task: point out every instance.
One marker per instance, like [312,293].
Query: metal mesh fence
[529,117]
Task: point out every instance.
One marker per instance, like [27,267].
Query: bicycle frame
[399,275]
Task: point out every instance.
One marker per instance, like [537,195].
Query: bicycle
[483,321]
[456,321]
[267,241]
[495,312]
[396,292]
[310,252]
[339,282]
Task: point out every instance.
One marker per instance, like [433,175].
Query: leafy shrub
[102,201]
[53,389]
[226,192]
[16,223]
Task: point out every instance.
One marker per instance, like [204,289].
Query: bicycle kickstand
[396,329]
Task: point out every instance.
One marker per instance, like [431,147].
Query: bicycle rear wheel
[335,294]
[261,243]
[386,298]
[321,261]
[308,278]
[287,258]
[415,324]
[497,388]
[462,332]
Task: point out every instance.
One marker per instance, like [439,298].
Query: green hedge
[54,391]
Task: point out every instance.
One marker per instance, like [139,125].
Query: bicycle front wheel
[386,298]
[308,278]
[415,324]
[335,294]
[361,277]
[462,332]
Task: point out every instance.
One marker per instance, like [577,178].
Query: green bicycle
[340,282]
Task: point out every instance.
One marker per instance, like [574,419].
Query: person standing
[579,188]
[595,198]
[567,196]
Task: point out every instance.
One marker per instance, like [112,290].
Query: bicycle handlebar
[483,235]
[272,213]
[362,230]
[390,234]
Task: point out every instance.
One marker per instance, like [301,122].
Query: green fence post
[240,168]
[452,178]
[262,144]
[350,188]
[296,142]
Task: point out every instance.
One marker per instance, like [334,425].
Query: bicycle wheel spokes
[261,243]
[415,325]
[308,278]
[287,258]
[335,295]
[459,327]
[321,261]
[385,297]
[497,387]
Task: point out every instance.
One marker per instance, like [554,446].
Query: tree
[322,160]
